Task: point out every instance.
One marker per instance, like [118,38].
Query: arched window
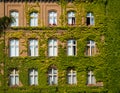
[52,47]
[71,50]
[91,78]
[91,48]
[52,18]
[72,76]
[52,76]
[33,77]
[34,19]
[90,19]
[71,18]
[14,77]
[15,16]
[14,47]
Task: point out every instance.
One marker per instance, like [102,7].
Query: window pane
[12,81]
[17,80]
[34,19]
[15,15]
[36,80]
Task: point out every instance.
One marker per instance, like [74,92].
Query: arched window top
[71,13]
[90,14]
[33,71]
[34,14]
[90,72]
[52,41]
[52,67]
[91,42]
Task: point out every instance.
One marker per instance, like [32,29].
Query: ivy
[105,64]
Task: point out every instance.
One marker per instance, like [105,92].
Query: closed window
[15,16]
[52,18]
[71,44]
[14,47]
[52,47]
[34,19]
[33,47]
[91,78]
[52,76]
[33,77]
[91,49]
[14,77]
[72,77]
[71,18]
[90,19]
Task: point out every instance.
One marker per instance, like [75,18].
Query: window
[52,76]
[33,77]
[72,77]
[90,19]
[15,16]
[52,47]
[34,19]
[71,18]
[91,50]
[52,18]
[91,78]
[33,47]
[14,47]
[14,77]
[71,44]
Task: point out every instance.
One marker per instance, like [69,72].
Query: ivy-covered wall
[105,64]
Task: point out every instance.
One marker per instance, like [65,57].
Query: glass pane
[12,81]
[55,51]
[31,80]
[55,79]
[36,80]
[17,80]
[69,79]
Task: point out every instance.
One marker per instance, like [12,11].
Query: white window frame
[53,76]
[71,47]
[52,18]
[91,78]
[72,77]
[34,19]
[91,45]
[33,77]
[71,18]
[14,47]
[91,18]
[15,16]
[33,47]
[52,47]
[14,78]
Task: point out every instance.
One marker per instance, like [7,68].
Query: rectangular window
[52,18]
[14,78]
[91,49]
[33,47]
[91,78]
[52,76]
[52,47]
[71,44]
[14,47]
[33,77]
[72,77]
[34,19]
[15,20]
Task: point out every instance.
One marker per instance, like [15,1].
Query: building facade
[53,46]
